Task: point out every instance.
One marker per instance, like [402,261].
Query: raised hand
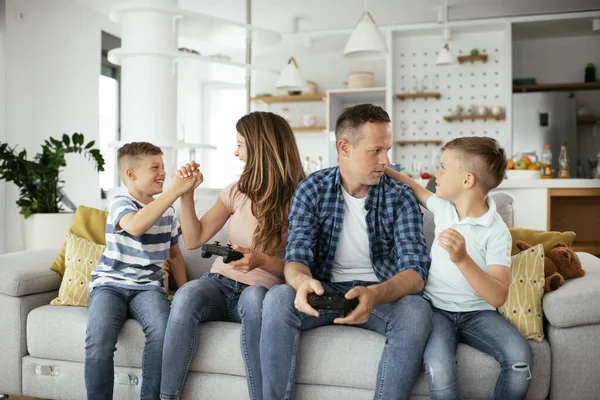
[454,243]
[252,259]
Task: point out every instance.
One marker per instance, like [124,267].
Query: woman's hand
[252,259]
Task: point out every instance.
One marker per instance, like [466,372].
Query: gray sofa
[42,346]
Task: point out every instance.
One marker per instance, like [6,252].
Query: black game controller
[227,252]
[332,301]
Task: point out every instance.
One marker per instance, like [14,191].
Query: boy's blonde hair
[131,153]
[482,156]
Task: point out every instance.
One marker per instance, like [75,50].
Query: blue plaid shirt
[394,226]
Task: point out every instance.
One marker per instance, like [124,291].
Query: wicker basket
[360,80]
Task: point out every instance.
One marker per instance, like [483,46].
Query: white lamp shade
[365,41]
[445,56]
[291,78]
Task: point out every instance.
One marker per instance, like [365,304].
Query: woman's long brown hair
[272,172]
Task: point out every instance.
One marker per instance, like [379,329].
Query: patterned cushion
[81,257]
[523,307]
[546,238]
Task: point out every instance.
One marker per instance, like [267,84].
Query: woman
[257,207]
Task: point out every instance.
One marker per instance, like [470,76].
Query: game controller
[332,301]
[227,252]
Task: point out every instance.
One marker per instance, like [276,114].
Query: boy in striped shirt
[141,235]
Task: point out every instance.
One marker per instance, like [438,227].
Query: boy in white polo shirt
[470,269]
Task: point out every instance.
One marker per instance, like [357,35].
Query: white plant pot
[42,231]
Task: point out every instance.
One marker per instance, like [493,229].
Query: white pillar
[148,80]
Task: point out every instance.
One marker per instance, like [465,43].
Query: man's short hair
[134,152]
[352,119]
[482,156]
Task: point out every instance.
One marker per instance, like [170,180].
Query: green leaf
[66,139]
[90,144]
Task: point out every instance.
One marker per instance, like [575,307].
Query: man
[352,229]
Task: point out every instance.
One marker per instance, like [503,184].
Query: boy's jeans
[486,331]
[213,297]
[406,324]
[108,310]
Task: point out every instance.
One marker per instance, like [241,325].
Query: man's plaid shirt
[394,226]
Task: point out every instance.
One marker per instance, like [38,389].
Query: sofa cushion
[32,274]
[577,302]
[89,223]
[546,238]
[81,257]
[523,307]
[330,355]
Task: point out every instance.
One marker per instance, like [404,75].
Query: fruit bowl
[522,174]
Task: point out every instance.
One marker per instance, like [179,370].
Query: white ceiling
[314,15]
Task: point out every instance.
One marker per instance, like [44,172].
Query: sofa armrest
[577,302]
[28,272]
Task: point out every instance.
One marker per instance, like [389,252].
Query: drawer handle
[47,370]
[126,379]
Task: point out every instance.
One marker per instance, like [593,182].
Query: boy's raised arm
[421,193]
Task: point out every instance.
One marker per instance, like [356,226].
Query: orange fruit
[527,160]
[534,167]
[511,164]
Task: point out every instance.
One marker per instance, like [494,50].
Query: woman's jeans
[406,324]
[213,297]
[487,331]
[108,310]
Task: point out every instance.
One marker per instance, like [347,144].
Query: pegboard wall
[467,85]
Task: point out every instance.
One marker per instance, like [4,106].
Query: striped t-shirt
[135,262]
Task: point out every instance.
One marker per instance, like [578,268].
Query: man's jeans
[406,324]
[486,331]
[108,310]
[213,297]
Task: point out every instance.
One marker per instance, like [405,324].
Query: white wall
[52,88]
[563,60]
[2,117]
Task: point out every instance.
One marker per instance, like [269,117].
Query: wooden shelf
[478,57]
[588,119]
[289,99]
[451,118]
[304,129]
[547,87]
[404,96]
[588,247]
[405,142]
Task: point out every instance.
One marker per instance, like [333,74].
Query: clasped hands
[187,178]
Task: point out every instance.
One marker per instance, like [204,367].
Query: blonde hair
[272,172]
[484,157]
[132,153]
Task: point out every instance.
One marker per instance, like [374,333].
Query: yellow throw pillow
[89,223]
[523,307]
[81,257]
[546,238]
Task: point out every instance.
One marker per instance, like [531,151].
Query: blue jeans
[406,324]
[213,297]
[108,310]
[487,331]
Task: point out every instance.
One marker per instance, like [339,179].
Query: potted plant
[39,182]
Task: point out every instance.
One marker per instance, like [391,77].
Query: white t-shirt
[352,260]
[488,242]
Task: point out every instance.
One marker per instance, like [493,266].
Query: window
[224,104]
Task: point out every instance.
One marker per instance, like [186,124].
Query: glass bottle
[598,166]
[306,165]
[546,162]
[563,163]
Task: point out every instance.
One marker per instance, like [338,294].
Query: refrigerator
[545,118]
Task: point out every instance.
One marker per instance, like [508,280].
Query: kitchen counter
[549,183]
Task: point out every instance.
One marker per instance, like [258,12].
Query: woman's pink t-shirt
[242,225]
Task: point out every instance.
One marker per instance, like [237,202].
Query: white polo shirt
[488,242]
